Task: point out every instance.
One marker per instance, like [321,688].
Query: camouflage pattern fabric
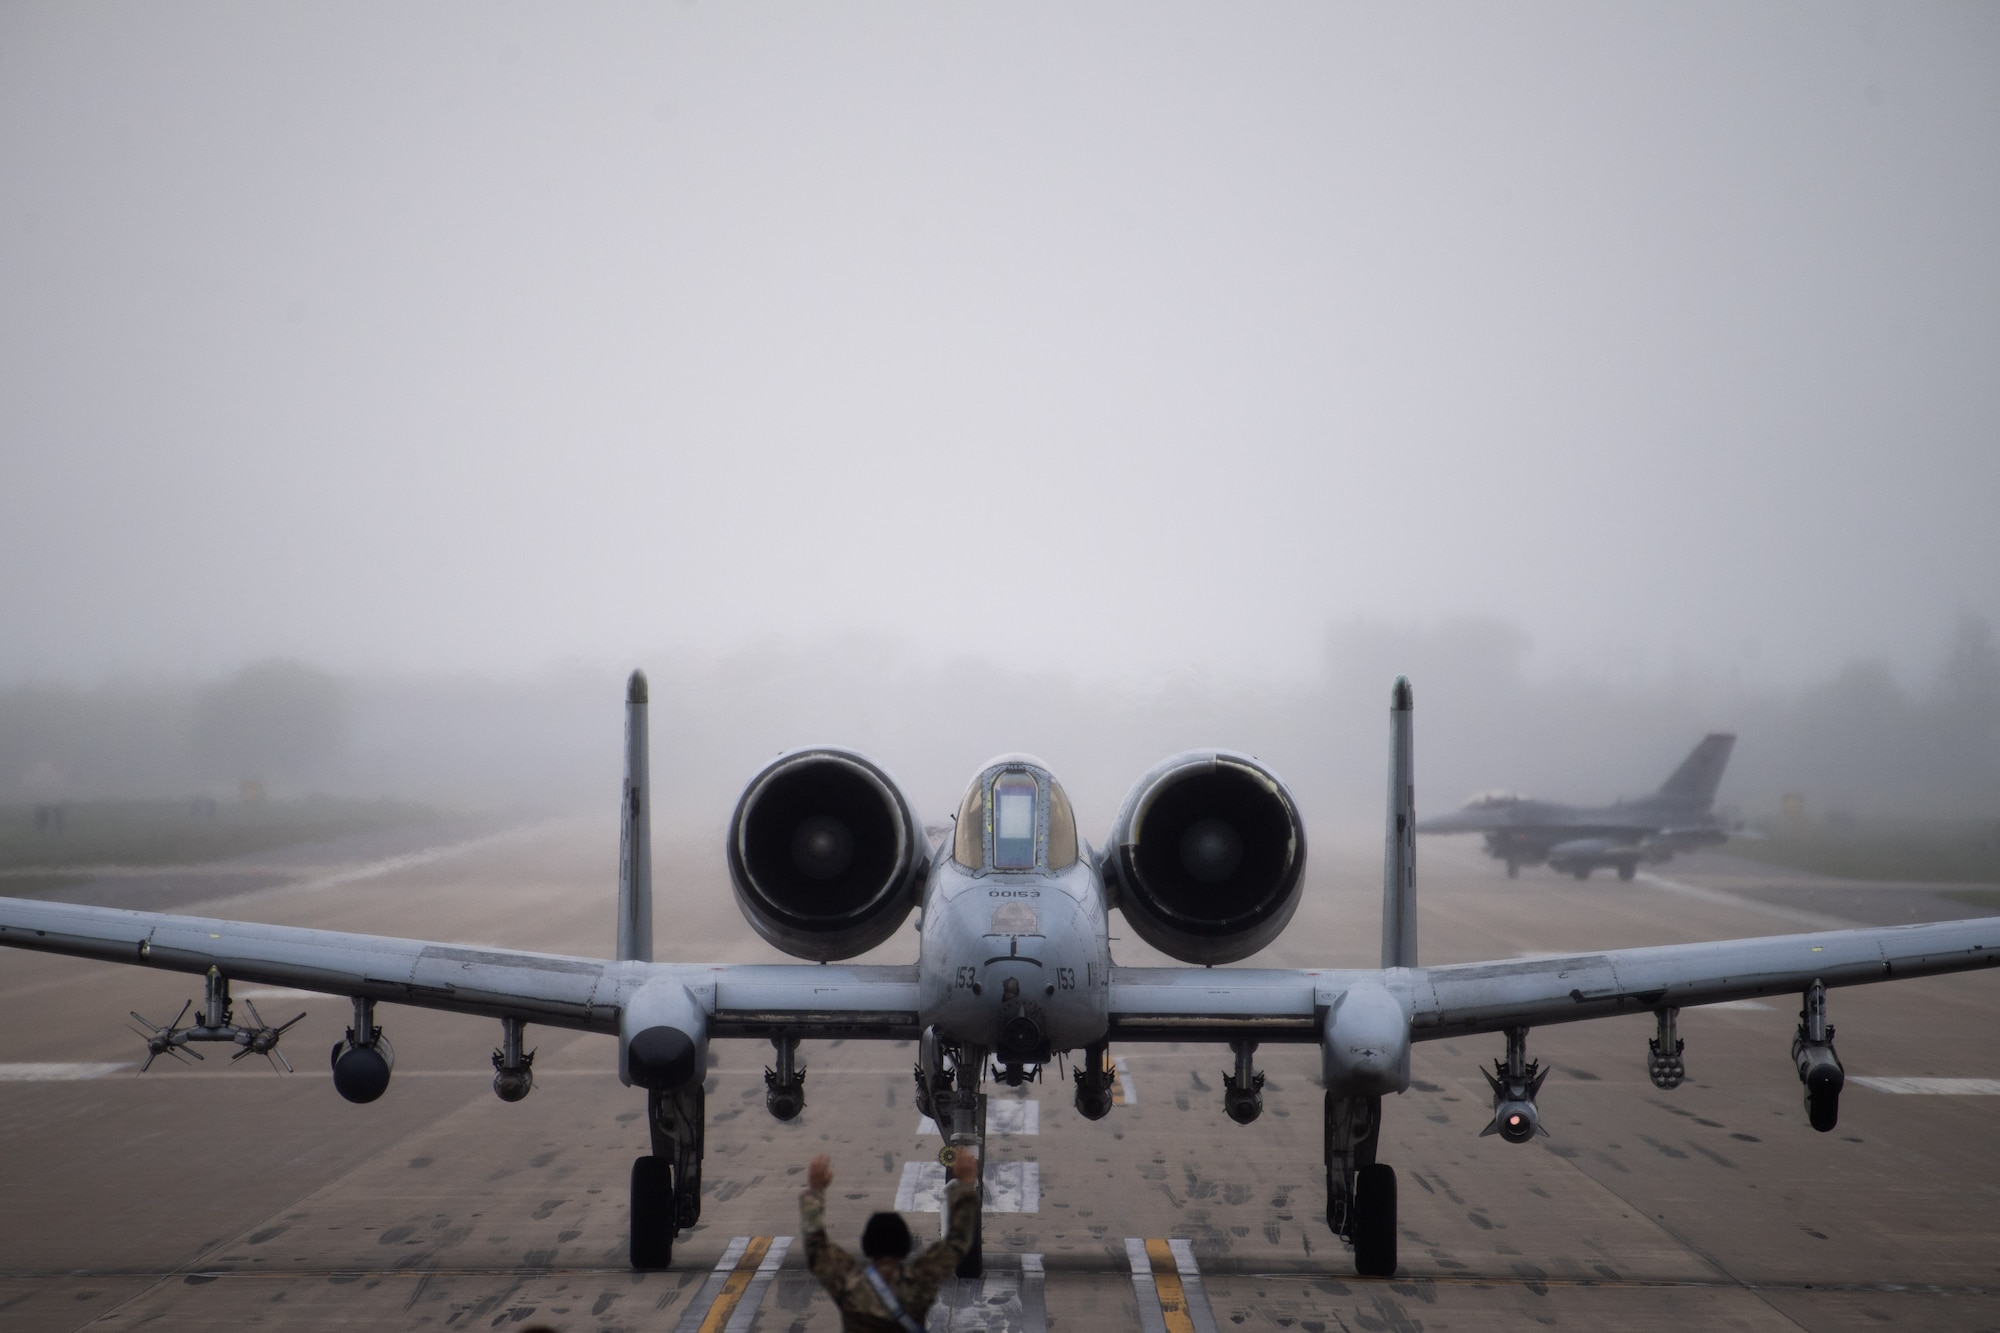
[915,1282]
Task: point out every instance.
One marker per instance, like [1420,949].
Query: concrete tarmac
[230,1196]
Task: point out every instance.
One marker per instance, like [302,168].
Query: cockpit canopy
[1488,800]
[1015,817]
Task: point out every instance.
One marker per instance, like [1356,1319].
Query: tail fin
[1399,854]
[635,834]
[1695,781]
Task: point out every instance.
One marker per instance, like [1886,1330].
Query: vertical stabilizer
[635,834]
[1694,782]
[1399,854]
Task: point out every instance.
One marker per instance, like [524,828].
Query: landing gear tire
[1823,1110]
[1375,1220]
[1513,869]
[1626,870]
[1582,872]
[653,1209]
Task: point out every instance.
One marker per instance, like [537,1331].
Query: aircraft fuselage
[1017,962]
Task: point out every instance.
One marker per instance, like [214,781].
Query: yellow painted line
[1167,1280]
[738,1283]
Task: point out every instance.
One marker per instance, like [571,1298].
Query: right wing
[1282,1005]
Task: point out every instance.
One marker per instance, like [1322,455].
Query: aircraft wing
[556,990]
[1265,1004]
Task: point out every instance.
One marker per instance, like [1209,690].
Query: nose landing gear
[948,1090]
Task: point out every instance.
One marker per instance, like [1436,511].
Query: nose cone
[663,1058]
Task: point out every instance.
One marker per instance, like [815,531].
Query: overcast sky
[1137,339]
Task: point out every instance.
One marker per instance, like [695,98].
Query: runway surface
[229,1196]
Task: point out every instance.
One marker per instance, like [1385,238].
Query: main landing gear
[948,1091]
[666,1186]
[1360,1191]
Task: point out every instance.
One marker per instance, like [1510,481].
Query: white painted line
[1128,1094]
[283,993]
[760,1285]
[58,1073]
[1152,1319]
[1001,1301]
[1009,1117]
[390,865]
[1733,1004]
[698,1308]
[1191,1285]
[1810,920]
[1934,1087]
[1011,1187]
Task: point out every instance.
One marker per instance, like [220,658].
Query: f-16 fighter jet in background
[1206,859]
[1577,839]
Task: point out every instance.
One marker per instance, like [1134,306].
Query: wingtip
[1399,697]
[635,688]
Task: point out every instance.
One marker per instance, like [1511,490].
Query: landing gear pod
[662,1039]
[1365,1042]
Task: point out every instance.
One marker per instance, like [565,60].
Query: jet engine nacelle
[1207,856]
[826,854]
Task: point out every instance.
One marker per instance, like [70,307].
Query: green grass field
[1964,852]
[170,833]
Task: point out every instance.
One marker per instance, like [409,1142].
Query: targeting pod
[1094,1078]
[1243,1091]
[785,1086]
[1819,1067]
[363,1059]
[513,1070]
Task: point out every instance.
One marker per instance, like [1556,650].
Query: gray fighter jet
[1206,859]
[1577,839]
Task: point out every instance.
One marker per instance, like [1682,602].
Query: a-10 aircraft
[1206,860]
[1577,839]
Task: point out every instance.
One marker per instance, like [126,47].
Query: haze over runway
[231,1196]
[417,341]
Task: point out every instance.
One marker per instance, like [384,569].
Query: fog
[952,381]
[1855,743]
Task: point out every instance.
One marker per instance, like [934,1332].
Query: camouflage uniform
[915,1284]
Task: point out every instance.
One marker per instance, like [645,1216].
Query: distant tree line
[1859,741]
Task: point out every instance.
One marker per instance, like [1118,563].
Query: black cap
[1399,698]
[887,1236]
[635,688]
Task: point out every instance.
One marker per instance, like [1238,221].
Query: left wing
[556,990]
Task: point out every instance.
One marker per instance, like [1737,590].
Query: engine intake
[1207,856]
[826,854]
